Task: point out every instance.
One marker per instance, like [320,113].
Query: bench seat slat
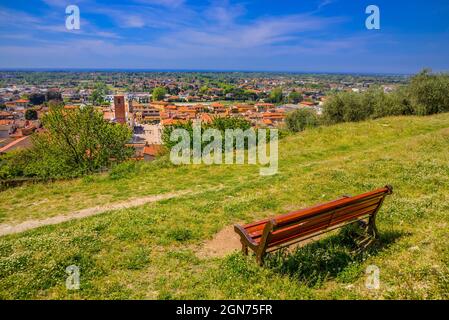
[363,212]
[300,230]
[289,239]
[304,222]
[361,205]
[304,213]
[342,203]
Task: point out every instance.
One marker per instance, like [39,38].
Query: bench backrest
[291,226]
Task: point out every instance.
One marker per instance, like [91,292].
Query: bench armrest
[245,235]
[390,188]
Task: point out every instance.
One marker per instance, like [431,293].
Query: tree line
[427,93]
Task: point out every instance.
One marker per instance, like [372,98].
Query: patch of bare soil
[223,243]
[6,229]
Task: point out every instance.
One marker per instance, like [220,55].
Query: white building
[151,133]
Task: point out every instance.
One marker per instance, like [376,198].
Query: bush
[276,95]
[158,93]
[301,119]
[425,94]
[220,124]
[31,114]
[429,93]
[350,106]
[294,97]
[122,170]
[74,142]
[12,164]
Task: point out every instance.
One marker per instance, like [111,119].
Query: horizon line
[168,70]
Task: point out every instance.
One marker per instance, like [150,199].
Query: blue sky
[281,35]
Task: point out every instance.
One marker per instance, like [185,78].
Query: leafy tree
[294,97]
[223,123]
[76,142]
[429,93]
[218,123]
[12,164]
[250,95]
[354,109]
[53,95]
[239,94]
[400,102]
[333,111]
[204,90]
[346,107]
[301,119]
[37,98]
[97,96]
[380,104]
[276,95]
[158,93]
[227,88]
[31,114]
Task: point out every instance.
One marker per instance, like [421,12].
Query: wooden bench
[274,233]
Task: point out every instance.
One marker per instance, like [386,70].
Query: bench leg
[372,229]
[244,249]
[260,258]
[370,234]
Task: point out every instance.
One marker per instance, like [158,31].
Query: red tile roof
[16,144]
[152,149]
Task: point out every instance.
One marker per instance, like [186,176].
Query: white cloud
[262,32]
[39,28]
[132,21]
[212,34]
[324,3]
[222,13]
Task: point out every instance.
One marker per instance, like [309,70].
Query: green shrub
[122,170]
[429,93]
[347,107]
[425,94]
[221,124]
[301,119]
[74,143]
[31,114]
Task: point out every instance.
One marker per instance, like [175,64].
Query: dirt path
[6,229]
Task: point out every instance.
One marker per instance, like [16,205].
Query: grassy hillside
[149,251]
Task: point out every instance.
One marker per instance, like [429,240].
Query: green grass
[149,251]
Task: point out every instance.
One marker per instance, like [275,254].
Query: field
[151,251]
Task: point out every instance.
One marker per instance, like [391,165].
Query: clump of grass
[180,234]
[136,259]
[12,264]
[123,170]
[236,266]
